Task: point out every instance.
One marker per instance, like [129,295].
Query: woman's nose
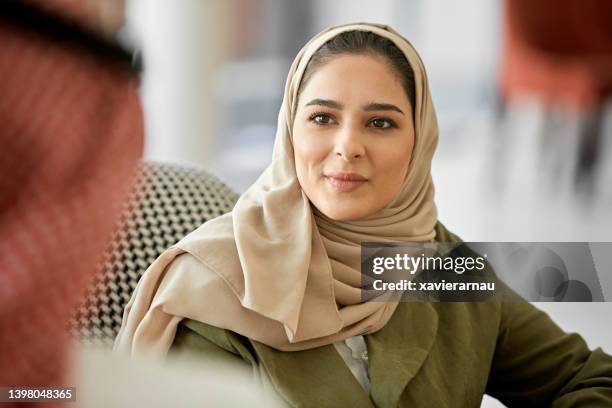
[348,145]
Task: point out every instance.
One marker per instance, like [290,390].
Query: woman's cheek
[391,159]
[392,166]
[306,164]
[313,155]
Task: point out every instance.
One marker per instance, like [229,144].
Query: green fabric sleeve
[536,364]
[197,340]
[202,343]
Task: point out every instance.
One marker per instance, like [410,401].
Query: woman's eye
[381,123]
[321,119]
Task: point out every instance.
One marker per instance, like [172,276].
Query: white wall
[181,49]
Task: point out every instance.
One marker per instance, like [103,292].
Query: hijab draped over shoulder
[276,269]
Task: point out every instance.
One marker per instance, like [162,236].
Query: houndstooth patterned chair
[166,204]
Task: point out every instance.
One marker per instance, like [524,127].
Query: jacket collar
[319,376]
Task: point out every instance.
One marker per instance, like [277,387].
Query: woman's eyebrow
[368,108]
[381,107]
[325,102]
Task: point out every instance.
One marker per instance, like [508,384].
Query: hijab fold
[276,269]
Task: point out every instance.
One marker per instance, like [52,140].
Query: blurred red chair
[560,51]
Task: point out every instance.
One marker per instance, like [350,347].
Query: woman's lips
[345,182]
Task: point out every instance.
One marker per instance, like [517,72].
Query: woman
[276,282]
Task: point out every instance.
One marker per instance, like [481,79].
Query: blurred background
[523,151]
[522,90]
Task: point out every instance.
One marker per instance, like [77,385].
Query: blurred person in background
[71,137]
[559,53]
[275,284]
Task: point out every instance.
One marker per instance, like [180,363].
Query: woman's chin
[343,212]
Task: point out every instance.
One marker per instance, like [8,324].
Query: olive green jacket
[430,355]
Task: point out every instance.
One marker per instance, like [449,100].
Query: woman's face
[353,136]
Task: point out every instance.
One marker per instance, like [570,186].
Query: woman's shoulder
[199,280]
[210,341]
[444,235]
[223,338]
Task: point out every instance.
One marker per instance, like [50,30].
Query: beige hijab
[275,269]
